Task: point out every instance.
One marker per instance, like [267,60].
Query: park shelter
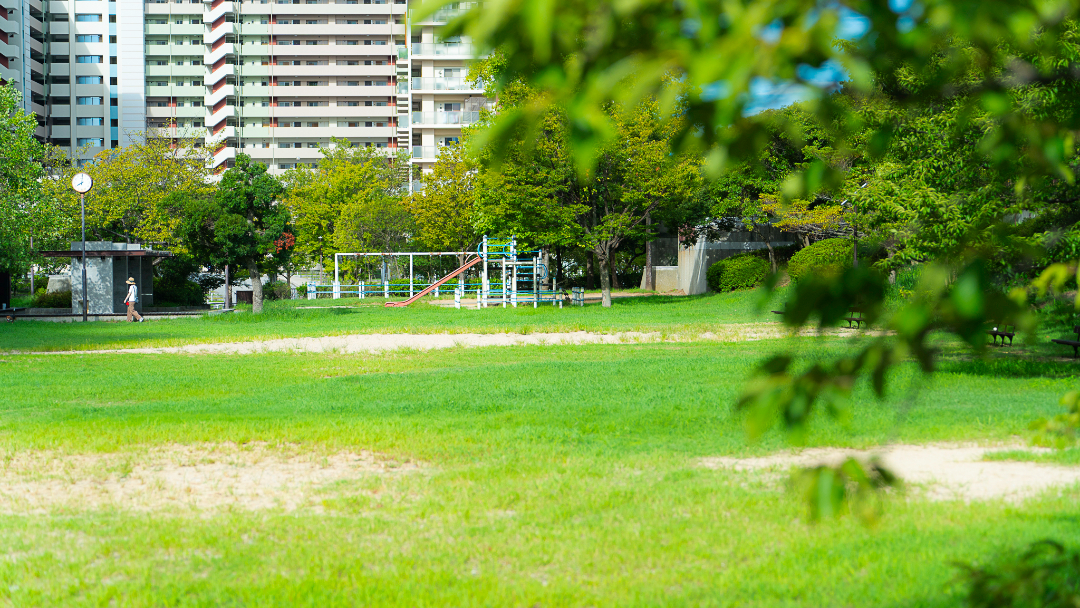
[108,266]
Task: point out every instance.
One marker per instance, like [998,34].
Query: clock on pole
[82,183]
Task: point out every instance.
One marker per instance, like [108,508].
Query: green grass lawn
[551,476]
[296,318]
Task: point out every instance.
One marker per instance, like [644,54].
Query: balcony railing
[444,84]
[425,152]
[457,49]
[445,118]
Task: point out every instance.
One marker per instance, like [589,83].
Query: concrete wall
[106,278]
[694,261]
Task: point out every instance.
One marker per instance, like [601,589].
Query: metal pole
[336,267]
[855,235]
[228,289]
[85,296]
[410,275]
[31,263]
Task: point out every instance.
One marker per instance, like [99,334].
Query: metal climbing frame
[521,275]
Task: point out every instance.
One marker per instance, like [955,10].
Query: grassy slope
[297,318]
[560,476]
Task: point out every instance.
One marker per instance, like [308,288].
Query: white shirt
[132,292]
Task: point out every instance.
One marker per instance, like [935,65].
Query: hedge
[827,257]
[742,271]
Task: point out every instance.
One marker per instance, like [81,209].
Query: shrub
[742,271]
[278,290]
[828,257]
[57,299]
[176,282]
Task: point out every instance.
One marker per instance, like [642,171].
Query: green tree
[352,202]
[241,223]
[26,208]
[445,208]
[132,186]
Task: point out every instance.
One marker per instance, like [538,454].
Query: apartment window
[352,83]
[59,101]
[112,39]
[312,145]
[349,62]
[350,43]
[196,62]
[58,17]
[351,22]
[196,22]
[196,83]
[296,124]
[350,104]
[286,165]
[112,60]
[158,62]
[62,122]
[114,122]
[58,80]
[88,80]
[96,142]
[313,124]
[348,124]
[89,101]
[87,18]
[112,80]
[313,83]
[367,83]
[88,38]
[196,104]
[314,104]
[58,37]
[112,18]
[196,123]
[59,59]
[90,121]
[312,42]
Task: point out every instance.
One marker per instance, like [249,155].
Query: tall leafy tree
[26,208]
[241,223]
[445,208]
[353,201]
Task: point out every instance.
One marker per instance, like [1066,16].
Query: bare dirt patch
[200,478]
[939,472]
[374,343]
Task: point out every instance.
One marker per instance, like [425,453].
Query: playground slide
[469,264]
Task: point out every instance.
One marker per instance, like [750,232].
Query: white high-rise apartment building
[22,53]
[275,79]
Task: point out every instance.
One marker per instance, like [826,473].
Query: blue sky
[767,94]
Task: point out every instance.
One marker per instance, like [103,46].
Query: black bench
[1003,332]
[1075,344]
[855,315]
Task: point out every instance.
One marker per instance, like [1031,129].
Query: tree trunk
[650,272]
[604,262]
[772,254]
[614,273]
[589,284]
[558,267]
[256,288]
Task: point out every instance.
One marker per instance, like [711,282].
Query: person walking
[132,297]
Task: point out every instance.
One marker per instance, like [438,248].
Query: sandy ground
[371,343]
[939,472]
[200,478]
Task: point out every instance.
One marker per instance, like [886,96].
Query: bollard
[386,289]
[311,288]
[337,290]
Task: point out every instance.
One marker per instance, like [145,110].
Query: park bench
[855,315]
[1075,344]
[1003,332]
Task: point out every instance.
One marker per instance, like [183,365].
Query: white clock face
[81,183]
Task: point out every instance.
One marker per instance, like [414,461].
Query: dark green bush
[742,271]
[278,290]
[57,299]
[177,282]
[828,257]
[1046,575]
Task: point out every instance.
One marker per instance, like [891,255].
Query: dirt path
[372,343]
[939,472]
[253,476]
